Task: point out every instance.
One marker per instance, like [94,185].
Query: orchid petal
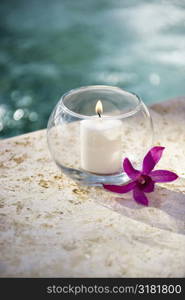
[151,159]
[140,197]
[163,176]
[120,189]
[129,169]
[149,187]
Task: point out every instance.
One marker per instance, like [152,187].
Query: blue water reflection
[48,47]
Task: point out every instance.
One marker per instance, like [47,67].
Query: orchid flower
[143,181]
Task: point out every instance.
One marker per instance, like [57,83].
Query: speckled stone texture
[51,226]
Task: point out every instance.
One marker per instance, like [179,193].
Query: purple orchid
[143,181]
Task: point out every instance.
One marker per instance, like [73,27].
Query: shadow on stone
[166,208]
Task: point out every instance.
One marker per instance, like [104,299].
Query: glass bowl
[92,129]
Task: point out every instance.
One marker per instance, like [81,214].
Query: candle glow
[99,108]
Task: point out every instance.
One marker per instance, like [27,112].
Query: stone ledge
[52,227]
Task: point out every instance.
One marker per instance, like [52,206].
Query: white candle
[101,145]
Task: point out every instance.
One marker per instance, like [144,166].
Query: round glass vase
[92,129]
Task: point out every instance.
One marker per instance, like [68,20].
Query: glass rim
[82,116]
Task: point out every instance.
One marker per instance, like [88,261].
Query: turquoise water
[50,46]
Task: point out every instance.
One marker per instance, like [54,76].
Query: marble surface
[51,226]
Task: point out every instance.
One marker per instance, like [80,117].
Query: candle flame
[99,108]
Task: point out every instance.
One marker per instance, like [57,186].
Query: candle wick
[99,114]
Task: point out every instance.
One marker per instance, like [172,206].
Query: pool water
[48,47]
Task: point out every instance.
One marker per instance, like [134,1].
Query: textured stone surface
[51,226]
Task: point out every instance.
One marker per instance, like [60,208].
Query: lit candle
[101,144]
